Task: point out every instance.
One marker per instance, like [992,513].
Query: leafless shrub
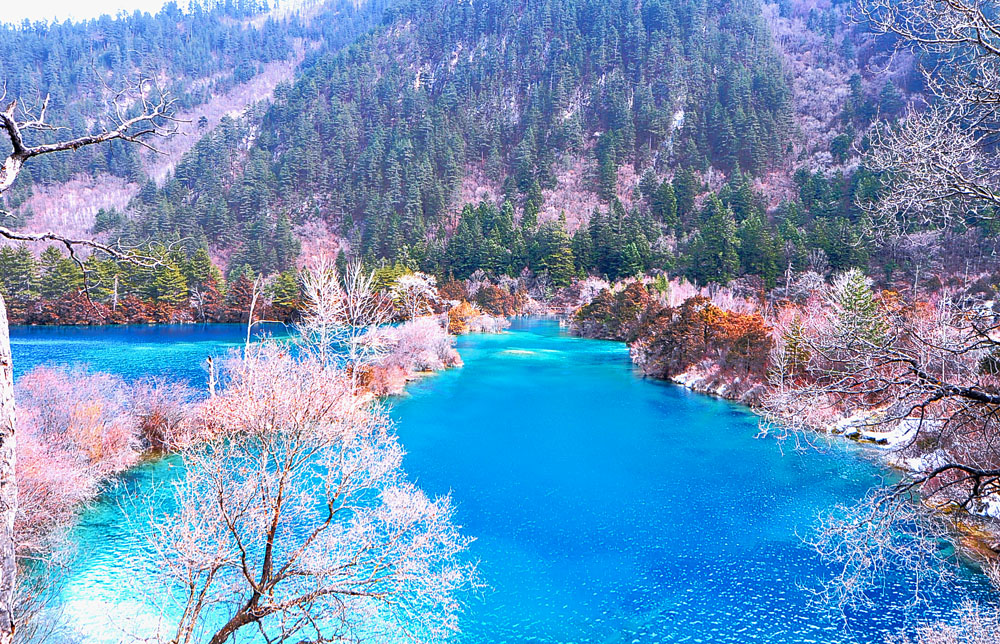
[342,314]
[419,345]
[975,625]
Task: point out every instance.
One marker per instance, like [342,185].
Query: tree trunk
[8,483]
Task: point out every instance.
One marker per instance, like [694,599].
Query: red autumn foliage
[239,299]
[453,290]
[205,305]
[208,303]
[76,309]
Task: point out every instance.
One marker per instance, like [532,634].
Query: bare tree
[939,163]
[342,314]
[975,625]
[297,521]
[137,113]
[923,377]
[922,251]
[416,293]
[920,379]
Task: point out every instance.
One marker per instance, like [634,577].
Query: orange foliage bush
[453,290]
[673,339]
[499,301]
[459,318]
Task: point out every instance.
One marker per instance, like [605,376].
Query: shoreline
[978,535]
[977,530]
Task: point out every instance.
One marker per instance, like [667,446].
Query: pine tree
[19,279]
[552,252]
[60,275]
[286,245]
[199,269]
[796,352]
[583,252]
[856,313]
[758,252]
[664,205]
[715,257]
[340,263]
[169,285]
[632,264]
[284,291]
[685,190]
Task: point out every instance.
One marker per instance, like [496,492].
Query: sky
[12,11]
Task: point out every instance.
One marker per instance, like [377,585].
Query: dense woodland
[202,51]
[375,141]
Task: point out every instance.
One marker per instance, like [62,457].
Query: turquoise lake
[606,507]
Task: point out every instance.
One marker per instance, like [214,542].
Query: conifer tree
[286,245]
[60,275]
[664,205]
[796,351]
[715,256]
[169,286]
[685,190]
[199,269]
[856,313]
[757,250]
[19,279]
[583,252]
[552,252]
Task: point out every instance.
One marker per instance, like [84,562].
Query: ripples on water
[606,508]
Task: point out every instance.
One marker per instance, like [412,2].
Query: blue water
[606,507]
[176,351]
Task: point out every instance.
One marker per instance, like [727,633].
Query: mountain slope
[217,59]
[377,141]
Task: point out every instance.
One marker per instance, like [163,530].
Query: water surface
[606,507]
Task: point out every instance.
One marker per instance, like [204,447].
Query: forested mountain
[377,140]
[214,58]
[202,52]
[563,137]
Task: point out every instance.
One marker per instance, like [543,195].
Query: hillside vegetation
[558,137]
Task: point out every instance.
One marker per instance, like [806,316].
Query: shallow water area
[606,507]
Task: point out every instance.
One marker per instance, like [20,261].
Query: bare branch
[938,165]
[155,118]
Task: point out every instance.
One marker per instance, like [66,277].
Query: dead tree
[938,162]
[138,113]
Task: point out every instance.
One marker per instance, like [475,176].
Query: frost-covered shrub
[469,318]
[88,415]
[419,345]
[488,324]
[78,429]
[164,412]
